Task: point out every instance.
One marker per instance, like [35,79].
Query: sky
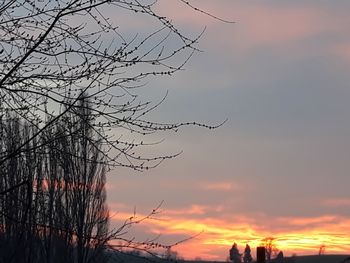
[279,166]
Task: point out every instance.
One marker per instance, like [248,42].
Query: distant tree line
[271,253]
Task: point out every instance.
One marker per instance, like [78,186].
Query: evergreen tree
[247,257]
[235,256]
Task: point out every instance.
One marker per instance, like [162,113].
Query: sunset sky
[280,165]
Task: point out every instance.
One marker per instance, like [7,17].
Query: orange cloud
[306,221]
[217,235]
[192,210]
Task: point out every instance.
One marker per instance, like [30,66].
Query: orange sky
[217,235]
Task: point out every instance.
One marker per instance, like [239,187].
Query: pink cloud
[218,186]
[337,202]
[257,24]
[279,26]
[182,14]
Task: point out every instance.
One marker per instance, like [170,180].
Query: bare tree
[50,56]
[61,214]
[270,247]
[51,62]
[16,200]
[322,250]
[84,180]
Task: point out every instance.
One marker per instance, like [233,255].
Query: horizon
[302,244]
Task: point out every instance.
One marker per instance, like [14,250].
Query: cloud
[256,23]
[307,221]
[193,210]
[218,186]
[301,235]
[278,26]
[287,109]
[337,202]
[341,50]
[185,16]
[260,25]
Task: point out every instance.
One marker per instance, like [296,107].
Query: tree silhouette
[61,214]
[50,57]
[270,247]
[70,83]
[81,206]
[247,257]
[322,250]
[235,256]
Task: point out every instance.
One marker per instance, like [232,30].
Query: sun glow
[216,236]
